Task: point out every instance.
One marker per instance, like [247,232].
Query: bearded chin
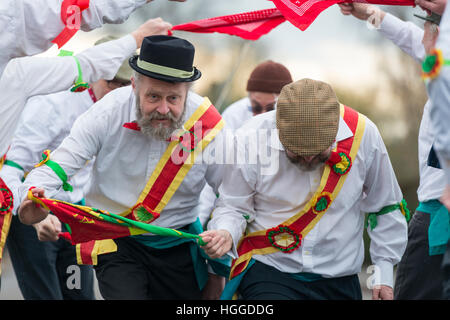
[159,132]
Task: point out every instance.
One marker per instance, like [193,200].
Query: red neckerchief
[91,93]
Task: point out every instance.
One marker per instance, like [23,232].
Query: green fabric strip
[220,266]
[65,53]
[167,71]
[60,173]
[439,228]
[79,83]
[372,216]
[13,164]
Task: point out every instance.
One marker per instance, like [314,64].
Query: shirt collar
[343,133]
[132,124]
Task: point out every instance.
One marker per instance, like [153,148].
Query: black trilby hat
[166,58]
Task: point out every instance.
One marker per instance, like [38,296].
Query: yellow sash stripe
[4,233]
[166,156]
[187,166]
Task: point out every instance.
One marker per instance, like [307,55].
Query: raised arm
[30,76]
[406,35]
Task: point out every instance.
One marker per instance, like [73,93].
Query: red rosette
[6,198]
[284,238]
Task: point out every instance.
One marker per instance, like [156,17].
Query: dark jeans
[419,275]
[138,272]
[263,282]
[47,270]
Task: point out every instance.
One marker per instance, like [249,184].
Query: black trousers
[138,272]
[446,273]
[419,275]
[263,282]
[47,270]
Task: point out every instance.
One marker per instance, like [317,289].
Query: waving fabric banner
[248,25]
[301,13]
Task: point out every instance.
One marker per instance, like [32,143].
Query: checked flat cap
[307,117]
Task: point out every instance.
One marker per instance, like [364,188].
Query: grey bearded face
[159,132]
[311,165]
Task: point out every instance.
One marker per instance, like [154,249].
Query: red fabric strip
[132,126]
[248,25]
[301,13]
[86,252]
[84,226]
[70,30]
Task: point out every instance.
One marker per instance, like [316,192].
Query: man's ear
[133,83]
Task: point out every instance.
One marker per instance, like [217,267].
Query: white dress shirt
[334,247]
[439,93]
[408,37]
[125,160]
[237,113]
[234,116]
[43,125]
[28,26]
[31,76]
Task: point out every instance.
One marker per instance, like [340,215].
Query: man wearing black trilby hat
[146,168]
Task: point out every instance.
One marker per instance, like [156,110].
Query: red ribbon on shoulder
[71,17]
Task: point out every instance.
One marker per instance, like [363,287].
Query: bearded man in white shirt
[128,132]
[28,77]
[296,232]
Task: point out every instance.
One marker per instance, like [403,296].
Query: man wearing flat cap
[145,139]
[297,233]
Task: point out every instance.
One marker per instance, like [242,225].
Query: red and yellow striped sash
[6,207]
[288,236]
[201,128]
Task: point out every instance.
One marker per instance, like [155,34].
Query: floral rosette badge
[340,162]
[284,238]
[322,203]
[432,65]
[143,214]
[6,200]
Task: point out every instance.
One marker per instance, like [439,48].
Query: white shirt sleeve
[30,76]
[406,35]
[235,205]
[108,11]
[439,93]
[389,237]
[35,23]
[80,146]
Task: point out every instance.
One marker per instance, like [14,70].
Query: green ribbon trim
[167,71]
[430,62]
[372,217]
[79,84]
[13,164]
[59,172]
